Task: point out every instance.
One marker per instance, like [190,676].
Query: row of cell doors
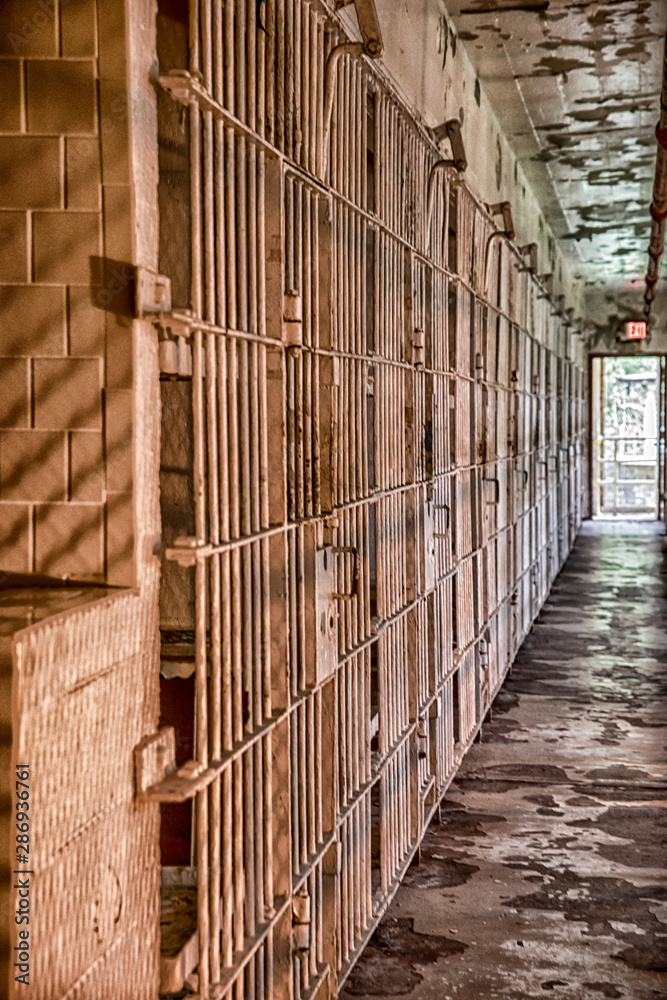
[628,435]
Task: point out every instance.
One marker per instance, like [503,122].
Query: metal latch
[422,738]
[152,292]
[156,776]
[447,509]
[429,546]
[418,348]
[153,299]
[187,551]
[494,499]
[301,920]
[174,342]
[292,319]
[356,566]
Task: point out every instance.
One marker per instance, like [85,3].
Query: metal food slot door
[429,545]
[321,616]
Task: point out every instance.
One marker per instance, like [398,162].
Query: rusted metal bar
[317,797]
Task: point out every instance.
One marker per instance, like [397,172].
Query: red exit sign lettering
[635,330]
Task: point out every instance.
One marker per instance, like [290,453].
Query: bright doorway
[626,431]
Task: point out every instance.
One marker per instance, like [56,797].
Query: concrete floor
[547,873]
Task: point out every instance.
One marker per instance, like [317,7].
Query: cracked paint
[576,87]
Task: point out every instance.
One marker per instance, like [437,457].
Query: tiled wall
[65,347]
[79,443]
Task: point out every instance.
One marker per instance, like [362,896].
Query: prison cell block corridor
[325,325]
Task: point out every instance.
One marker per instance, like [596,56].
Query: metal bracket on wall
[451,130]
[153,301]
[530,251]
[152,292]
[372,46]
[369,25]
[558,304]
[505,209]
[547,282]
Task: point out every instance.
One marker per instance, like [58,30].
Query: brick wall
[79,453]
[65,345]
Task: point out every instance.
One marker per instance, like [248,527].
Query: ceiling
[576,88]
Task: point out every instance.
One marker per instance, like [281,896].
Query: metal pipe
[658,207]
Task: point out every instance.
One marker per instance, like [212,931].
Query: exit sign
[635,329]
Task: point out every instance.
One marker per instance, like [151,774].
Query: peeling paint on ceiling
[576,87]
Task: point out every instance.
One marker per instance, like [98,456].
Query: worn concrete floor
[548,872]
